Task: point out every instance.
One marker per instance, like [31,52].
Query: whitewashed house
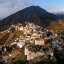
[4,58]
[32,55]
[39,42]
[21,28]
[20,44]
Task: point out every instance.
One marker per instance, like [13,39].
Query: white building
[39,42]
[20,44]
[21,28]
[4,58]
[32,55]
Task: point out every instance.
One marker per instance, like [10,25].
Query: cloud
[8,7]
[57,11]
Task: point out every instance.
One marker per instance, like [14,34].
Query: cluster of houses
[35,41]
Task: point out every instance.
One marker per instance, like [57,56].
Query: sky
[8,7]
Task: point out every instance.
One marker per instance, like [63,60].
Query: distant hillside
[31,14]
[60,15]
[57,26]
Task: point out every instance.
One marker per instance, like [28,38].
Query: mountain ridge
[31,14]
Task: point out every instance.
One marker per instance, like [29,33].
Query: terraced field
[4,38]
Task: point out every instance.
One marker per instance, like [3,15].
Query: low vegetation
[57,26]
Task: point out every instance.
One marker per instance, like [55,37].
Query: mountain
[60,15]
[1,18]
[31,14]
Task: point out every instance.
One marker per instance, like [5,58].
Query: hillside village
[29,41]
